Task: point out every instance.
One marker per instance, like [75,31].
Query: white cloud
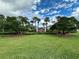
[42,11]
[54,12]
[34,7]
[16,13]
[15,7]
[36,1]
[63,5]
[5,7]
[46,10]
[75,13]
[71,0]
[37,12]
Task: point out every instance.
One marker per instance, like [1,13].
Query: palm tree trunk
[35,26]
[46,27]
[38,27]
[63,32]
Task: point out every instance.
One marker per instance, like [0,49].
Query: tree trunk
[35,26]
[63,32]
[3,30]
[38,27]
[46,27]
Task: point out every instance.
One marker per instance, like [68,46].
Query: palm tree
[36,20]
[46,20]
[44,26]
[32,22]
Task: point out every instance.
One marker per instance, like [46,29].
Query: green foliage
[78,24]
[13,24]
[65,25]
[47,19]
[21,24]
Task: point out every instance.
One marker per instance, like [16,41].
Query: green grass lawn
[39,47]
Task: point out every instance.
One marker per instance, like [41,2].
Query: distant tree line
[13,24]
[21,24]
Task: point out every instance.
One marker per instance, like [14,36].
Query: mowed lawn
[39,47]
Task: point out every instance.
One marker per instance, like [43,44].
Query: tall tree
[46,20]
[2,22]
[36,20]
[64,25]
[32,22]
[23,20]
[44,26]
[24,23]
[12,24]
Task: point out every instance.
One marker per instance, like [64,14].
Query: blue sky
[56,7]
[40,8]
